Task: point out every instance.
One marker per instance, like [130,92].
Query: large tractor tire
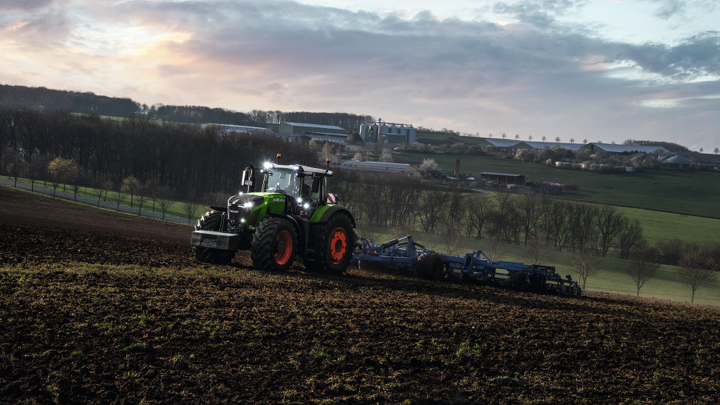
[212,221]
[274,245]
[429,266]
[334,245]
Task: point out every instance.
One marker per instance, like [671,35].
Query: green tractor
[292,215]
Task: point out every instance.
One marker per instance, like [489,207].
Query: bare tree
[641,267]
[630,237]
[164,198]
[451,239]
[142,196]
[544,138]
[79,177]
[496,248]
[365,229]
[106,186]
[696,271]
[119,197]
[609,224]
[98,188]
[538,250]
[557,139]
[190,209]
[585,265]
[478,209]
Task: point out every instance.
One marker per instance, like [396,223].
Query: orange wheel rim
[338,245]
[283,257]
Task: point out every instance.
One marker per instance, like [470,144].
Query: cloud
[694,57]
[7,5]
[540,14]
[532,77]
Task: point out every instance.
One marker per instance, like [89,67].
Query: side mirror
[248,179]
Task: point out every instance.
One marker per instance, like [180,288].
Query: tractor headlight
[306,205]
[267,165]
[242,220]
[248,205]
[299,200]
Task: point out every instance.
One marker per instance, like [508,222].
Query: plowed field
[94,314]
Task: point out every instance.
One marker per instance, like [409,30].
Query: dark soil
[92,312]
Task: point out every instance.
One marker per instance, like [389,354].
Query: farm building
[549,145]
[611,149]
[503,178]
[676,161]
[388,133]
[240,129]
[500,143]
[315,132]
[382,167]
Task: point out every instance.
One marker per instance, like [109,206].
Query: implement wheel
[334,245]
[212,221]
[429,266]
[274,245]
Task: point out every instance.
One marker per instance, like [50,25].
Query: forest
[50,101]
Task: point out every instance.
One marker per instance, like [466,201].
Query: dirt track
[113,309]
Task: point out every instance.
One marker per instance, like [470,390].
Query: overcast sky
[601,70]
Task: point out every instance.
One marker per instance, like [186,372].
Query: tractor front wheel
[212,221]
[274,245]
[334,245]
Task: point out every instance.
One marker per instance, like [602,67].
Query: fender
[323,214]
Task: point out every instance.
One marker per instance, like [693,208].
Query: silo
[373,133]
[384,129]
[412,135]
[394,130]
[363,131]
[404,133]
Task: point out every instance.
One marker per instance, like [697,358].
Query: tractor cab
[305,187]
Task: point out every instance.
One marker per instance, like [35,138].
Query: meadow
[666,190]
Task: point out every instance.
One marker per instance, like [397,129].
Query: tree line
[192,161]
[391,201]
[52,101]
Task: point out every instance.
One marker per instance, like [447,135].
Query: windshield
[284,181]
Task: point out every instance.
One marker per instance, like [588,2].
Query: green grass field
[175,210]
[683,192]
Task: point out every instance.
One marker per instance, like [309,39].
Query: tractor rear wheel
[212,221]
[334,245]
[429,266]
[274,245]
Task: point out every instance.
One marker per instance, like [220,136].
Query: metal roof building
[240,129]
[382,167]
[551,145]
[503,178]
[617,149]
